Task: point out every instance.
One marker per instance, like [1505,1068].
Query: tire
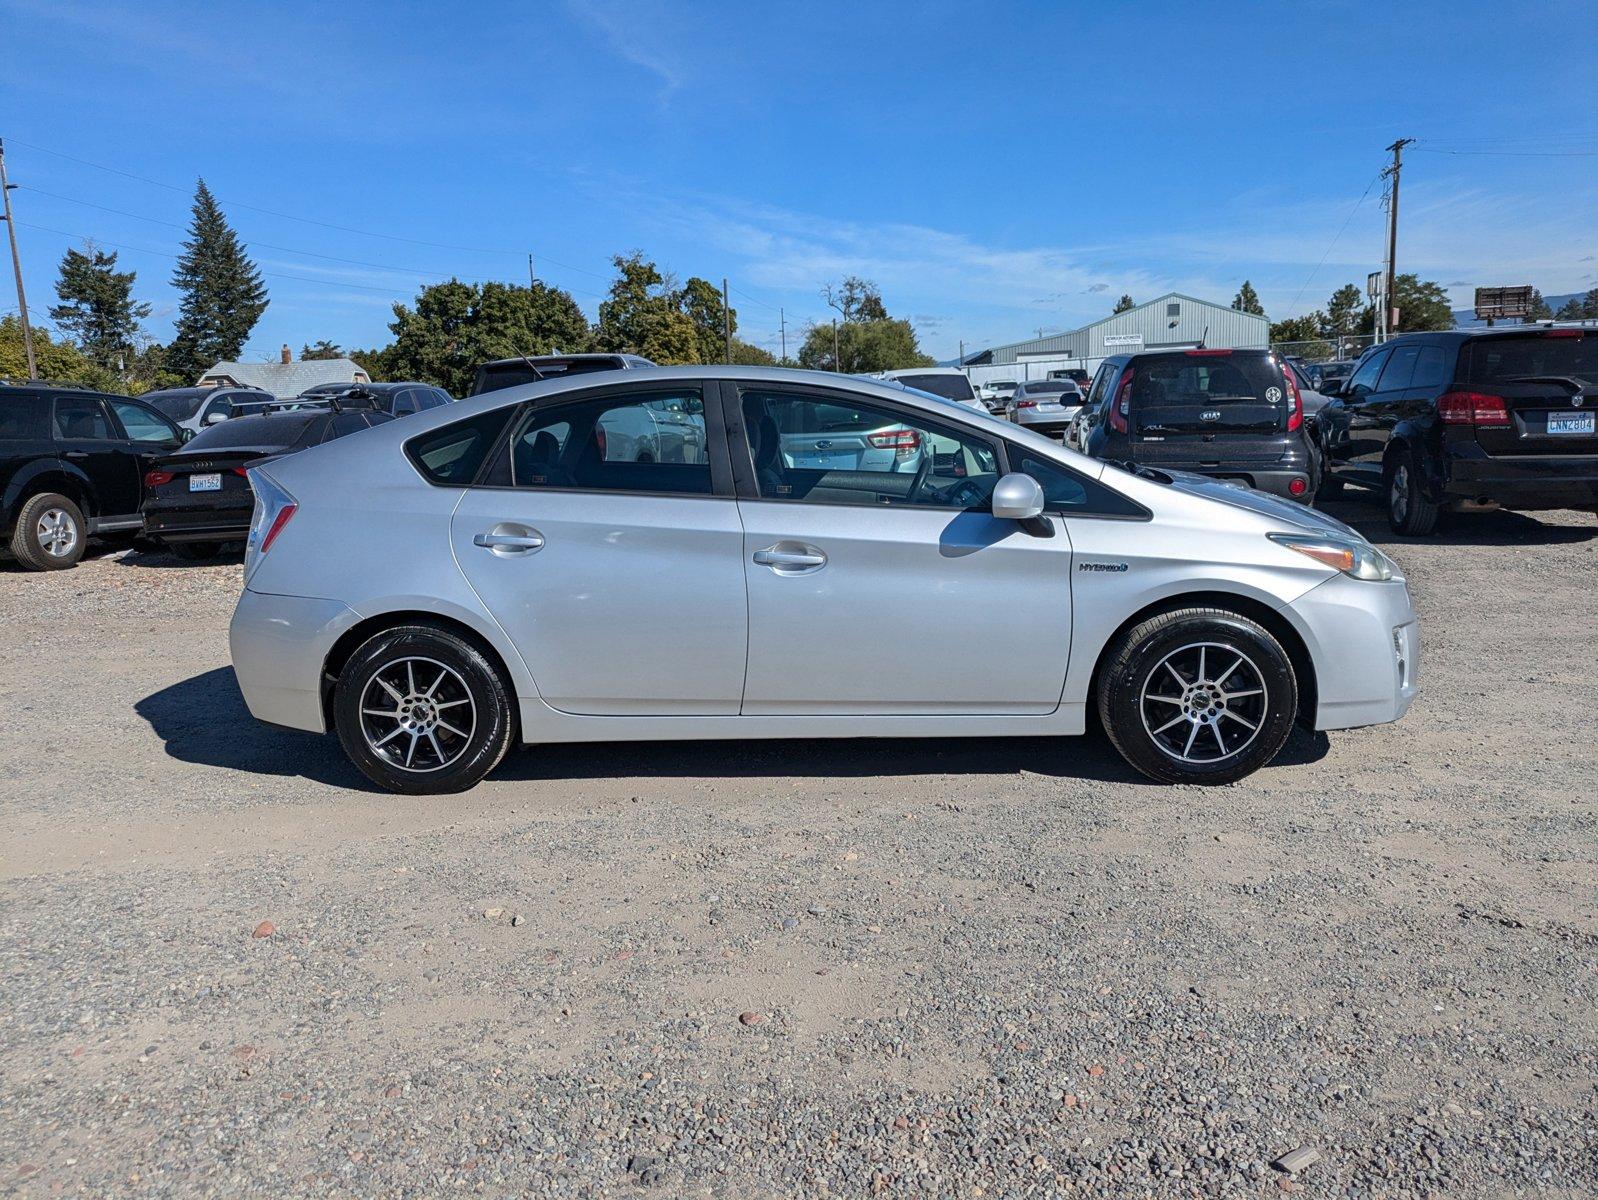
[1240,732]
[51,534]
[195,551]
[437,675]
[1409,512]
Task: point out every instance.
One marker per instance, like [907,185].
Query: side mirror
[215,418]
[1331,387]
[185,435]
[1017,497]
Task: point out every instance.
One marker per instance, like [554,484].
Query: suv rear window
[279,429]
[24,418]
[1207,380]
[950,387]
[1532,358]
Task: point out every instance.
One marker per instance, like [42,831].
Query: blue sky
[996,168]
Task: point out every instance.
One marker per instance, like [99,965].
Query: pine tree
[1247,300]
[1122,305]
[223,294]
[97,308]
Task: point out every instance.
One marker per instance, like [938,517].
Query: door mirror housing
[215,418]
[1017,497]
[1331,387]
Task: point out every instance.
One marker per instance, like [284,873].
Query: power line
[307,220]
[1335,238]
[1510,153]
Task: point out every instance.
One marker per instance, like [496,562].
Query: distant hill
[1465,318]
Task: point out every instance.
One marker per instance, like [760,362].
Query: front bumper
[279,644]
[1365,641]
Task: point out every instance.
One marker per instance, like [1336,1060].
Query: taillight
[1297,487]
[1472,408]
[599,440]
[278,522]
[1026,404]
[903,442]
[1206,353]
[1295,416]
[1120,406]
[244,471]
[1565,333]
[155,478]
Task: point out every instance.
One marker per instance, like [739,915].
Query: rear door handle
[791,558]
[77,454]
[510,543]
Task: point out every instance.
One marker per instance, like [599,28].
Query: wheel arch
[1272,619]
[50,475]
[365,629]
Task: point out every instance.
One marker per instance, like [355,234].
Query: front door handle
[77,454]
[791,558]
[510,543]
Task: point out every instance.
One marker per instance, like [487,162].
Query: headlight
[1352,557]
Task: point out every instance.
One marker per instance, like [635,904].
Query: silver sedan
[509,570]
[1046,405]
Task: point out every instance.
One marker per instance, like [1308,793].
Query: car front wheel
[421,710]
[50,533]
[1199,695]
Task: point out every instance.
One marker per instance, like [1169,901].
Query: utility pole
[836,364]
[1390,300]
[16,267]
[532,280]
[726,320]
[782,320]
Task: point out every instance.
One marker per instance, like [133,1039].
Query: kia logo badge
[1211,415]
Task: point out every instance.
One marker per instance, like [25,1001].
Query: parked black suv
[1469,420]
[1231,414]
[72,465]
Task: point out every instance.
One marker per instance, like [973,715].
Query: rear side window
[452,455]
[1431,368]
[1208,381]
[1400,369]
[1532,358]
[639,442]
[950,387]
[80,417]
[24,417]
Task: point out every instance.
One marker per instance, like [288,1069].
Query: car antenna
[1204,337]
[537,374]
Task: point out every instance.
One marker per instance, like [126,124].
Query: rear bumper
[1365,643]
[279,644]
[198,524]
[1046,422]
[1523,482]
[1274,478]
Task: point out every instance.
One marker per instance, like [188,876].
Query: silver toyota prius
[808,555]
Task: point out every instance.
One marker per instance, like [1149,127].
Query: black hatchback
[1470,420]
[200,499]
[1230,414]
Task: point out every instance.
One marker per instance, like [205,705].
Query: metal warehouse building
[1173,322]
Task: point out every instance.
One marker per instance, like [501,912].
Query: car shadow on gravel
[1089,758]
[203,720]
[1467,529]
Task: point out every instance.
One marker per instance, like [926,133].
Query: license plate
[211,481]
[1571,423]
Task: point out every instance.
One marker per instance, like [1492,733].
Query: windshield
[177,406]
[1534,358]
[950,387]
[1210,381]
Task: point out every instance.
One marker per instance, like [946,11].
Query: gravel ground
[962,968]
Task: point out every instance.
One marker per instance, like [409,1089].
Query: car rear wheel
[50,533]
[1409,512]
[1200,695]
[421,710]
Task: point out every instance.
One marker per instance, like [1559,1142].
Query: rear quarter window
[451,456]
[24,418]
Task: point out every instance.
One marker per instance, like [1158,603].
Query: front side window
[638,442]
[825,449]
[143,425]
[1069,494]
[80,417]
[1364,379]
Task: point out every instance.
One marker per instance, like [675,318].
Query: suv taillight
[1295,415]
[1119,407]
[1472,408]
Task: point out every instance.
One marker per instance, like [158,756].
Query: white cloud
[633,35]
